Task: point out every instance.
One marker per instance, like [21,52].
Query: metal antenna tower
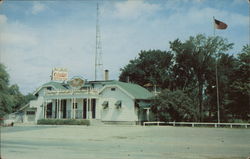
[98,51]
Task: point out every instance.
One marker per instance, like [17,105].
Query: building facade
[106,101]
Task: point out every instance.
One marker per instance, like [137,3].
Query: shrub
[63,122]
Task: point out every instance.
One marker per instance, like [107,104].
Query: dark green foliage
[195,59]
[6,100]
[151,67]
[239,94]
[190,67]
[63,122]
[174,106]
[11,99]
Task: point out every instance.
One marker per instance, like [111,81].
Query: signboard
[59,74]
[76,82]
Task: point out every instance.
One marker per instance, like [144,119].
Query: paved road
[124,142]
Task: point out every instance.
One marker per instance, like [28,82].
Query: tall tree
[226,66]
[174,106]
[153,66]
[196,57]
[240,86]
[6,100]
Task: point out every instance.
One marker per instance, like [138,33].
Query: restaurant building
[107,101]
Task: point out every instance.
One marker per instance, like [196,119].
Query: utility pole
[98,50]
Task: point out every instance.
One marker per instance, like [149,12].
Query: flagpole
[213,26]
[217,83]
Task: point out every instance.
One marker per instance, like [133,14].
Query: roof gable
[55,85]
[135,90]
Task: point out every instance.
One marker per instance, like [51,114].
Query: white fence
[193,124]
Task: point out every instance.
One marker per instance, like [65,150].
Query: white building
[106,101]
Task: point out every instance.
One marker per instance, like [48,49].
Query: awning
[144,104]
[105,104]
[118,104]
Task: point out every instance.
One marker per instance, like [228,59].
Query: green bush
[63,122]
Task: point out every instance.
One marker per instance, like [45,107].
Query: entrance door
[64,102]
[93,106]
[49,110]
[84,109]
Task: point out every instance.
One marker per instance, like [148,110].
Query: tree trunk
[200,96]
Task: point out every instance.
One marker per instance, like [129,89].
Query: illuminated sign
[59,74]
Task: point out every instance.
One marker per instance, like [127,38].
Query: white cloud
[31,52]
[37,8]
[19,39]
[3,19]
[16,34]
[133,9]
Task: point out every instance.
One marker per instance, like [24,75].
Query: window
[112,89]
[118,104]
[105,104]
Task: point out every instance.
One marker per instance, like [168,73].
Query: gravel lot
[123,142]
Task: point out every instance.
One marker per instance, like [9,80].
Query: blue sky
[36,36]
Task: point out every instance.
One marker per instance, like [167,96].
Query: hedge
[63,122]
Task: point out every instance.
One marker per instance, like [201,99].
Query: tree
[173,106]
[226,65]
[153,66]
[240,86]
[6,101]
[18,98]
[196,57]
[11,99]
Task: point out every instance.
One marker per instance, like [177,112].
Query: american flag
[219,24]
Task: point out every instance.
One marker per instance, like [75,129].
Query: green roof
[56,85]
[137,91]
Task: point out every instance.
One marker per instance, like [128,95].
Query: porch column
[74,108]
[59,108]
[71,110]
[147,114]
[45,109]
[57,103]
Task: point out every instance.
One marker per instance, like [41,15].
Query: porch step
[96,122]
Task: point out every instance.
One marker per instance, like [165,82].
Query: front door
[49,110]
[93,106]
[84,109]
[64,102]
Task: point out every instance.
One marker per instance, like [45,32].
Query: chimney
[106,75]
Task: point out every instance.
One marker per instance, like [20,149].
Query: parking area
[123,142]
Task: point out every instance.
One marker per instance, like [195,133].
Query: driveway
[124,142]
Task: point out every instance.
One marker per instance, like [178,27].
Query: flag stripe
[219,25]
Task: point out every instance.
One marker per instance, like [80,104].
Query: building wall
[125,113]
[38,104]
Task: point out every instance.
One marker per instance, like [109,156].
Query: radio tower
[98,49]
